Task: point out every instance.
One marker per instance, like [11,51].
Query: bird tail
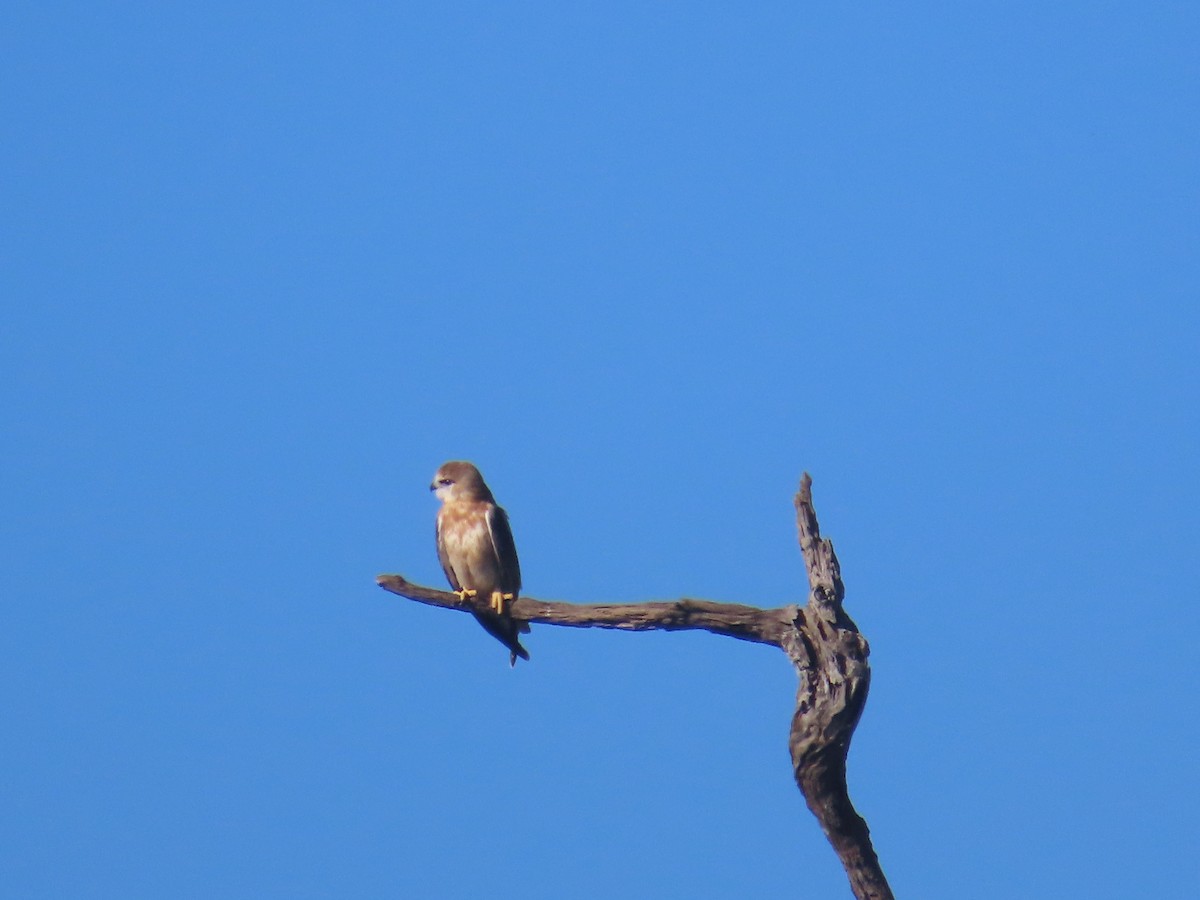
[515,651]
[507,631]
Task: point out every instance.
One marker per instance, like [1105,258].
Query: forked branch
[823,644]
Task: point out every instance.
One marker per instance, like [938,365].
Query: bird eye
[445,482]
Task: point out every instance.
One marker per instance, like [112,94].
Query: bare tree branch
[747,623]
[823,644]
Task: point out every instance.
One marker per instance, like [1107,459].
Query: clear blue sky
[265,266]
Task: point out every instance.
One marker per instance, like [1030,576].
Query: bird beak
[433,486]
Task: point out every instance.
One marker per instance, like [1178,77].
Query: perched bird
[477,552]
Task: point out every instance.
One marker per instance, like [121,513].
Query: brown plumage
[477,552]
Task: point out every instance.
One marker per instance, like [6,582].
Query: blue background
[266,266]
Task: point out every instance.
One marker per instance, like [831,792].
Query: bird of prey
[477,552]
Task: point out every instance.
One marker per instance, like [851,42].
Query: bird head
[459,480]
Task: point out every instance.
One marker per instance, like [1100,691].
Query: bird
[477,552]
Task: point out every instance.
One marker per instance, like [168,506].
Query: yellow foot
[498,601]
[464,594]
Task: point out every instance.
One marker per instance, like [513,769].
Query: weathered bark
[830,657]
[823,644]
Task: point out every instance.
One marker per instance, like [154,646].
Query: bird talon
[464,594]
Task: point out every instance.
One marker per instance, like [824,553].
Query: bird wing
[505,548]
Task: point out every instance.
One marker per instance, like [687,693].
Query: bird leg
[498,599]
[465,593]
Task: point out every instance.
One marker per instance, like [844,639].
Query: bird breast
[468,545]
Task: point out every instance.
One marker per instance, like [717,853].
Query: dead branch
[747,623]
[830,657]
[823,644]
